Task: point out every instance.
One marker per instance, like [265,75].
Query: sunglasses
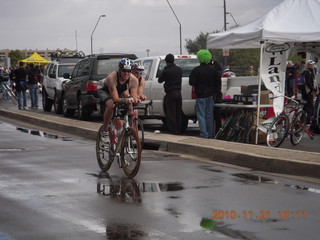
[126,70]
[138,72]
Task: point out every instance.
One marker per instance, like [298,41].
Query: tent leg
[259,93]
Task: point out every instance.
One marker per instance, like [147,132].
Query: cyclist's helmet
[126,64]
[138,66]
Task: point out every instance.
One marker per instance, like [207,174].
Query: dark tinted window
[65,69]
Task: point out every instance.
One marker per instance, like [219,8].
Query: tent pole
[259,91]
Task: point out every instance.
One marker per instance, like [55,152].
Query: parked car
[79,93]
[52,82]
[155,92]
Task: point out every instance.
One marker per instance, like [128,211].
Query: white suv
[52,81]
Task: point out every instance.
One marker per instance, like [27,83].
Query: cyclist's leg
[108,113]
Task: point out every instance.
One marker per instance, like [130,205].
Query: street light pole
[179,27]
[95,29]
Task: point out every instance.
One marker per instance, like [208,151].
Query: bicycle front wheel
[131,153]
[298,126]
[138,126]
[277,131]
[103,146]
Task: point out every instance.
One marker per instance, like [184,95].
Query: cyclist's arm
[133,86]
[111,83]
[141,89]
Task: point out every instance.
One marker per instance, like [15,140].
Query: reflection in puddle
[125,189]
[249,178]
[44,134]
[209,168]
[117,231]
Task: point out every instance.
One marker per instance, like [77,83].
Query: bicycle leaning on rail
[292,120]
[126,147]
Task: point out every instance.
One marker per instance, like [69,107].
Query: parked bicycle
[126,147]
[292,121]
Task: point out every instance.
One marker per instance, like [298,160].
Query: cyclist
[116,89]
[137,71]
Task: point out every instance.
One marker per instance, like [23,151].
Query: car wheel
[46,102]
[67,112]
[57,105]
[83,114]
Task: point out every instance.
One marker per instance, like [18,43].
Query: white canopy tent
[291,21]
[292,25]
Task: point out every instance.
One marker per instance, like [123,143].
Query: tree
[193,46]
[15,56]
[239,59]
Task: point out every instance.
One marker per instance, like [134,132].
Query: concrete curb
[252,156]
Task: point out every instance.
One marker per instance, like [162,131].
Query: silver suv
[52,81]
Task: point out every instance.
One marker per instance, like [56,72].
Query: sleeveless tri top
[120,87]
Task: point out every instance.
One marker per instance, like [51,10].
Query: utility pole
[225,14]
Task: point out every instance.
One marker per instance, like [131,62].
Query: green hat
[204,56]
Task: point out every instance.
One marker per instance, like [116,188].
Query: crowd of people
[20,80]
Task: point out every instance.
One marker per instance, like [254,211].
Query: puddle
[44,134]
[209,168]
[117,231]
[313,190]
[247,177]
[11,149]
[252,177]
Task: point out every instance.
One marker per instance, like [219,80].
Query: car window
[75,70]
[84,69]
[54,70]
[50,71]
[106,66]
[147,68]
[62,69]
[47,69]
[186,65]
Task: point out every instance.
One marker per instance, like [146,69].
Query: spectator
[172,78]
[290,84]
[207,83]
[251,71]
[310,89]
[5,80]
[33,79]
[20,75]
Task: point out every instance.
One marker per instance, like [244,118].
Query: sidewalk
[261,158]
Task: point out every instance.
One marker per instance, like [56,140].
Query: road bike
[292,120]
[126,146]
[13,97]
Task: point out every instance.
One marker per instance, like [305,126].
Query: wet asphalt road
[51,188]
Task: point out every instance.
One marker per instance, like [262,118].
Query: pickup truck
[153,67]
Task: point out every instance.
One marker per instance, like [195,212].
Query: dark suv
[80,92]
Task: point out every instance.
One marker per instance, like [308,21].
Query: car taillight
[92,86]
[193,93]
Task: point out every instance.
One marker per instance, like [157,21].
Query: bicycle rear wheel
[298,126]
[103,146]
[277,131]
[130,153]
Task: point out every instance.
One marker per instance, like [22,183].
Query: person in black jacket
[20,75]
[33,79]
[172,78]
[310,89]
[207,83]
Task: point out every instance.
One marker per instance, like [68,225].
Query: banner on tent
[273,71]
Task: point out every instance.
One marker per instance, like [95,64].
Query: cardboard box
[262,137]
[265,97]
[243,89]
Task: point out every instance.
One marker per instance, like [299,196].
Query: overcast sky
[129,26]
